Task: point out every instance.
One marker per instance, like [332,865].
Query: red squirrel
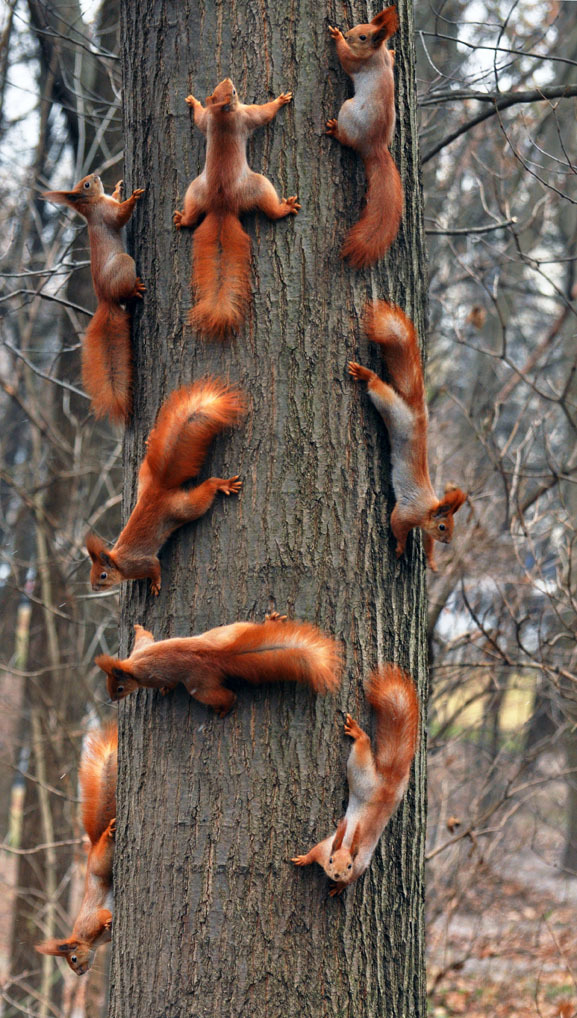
[176,447]
[225,189]
[366,123]
[377,781]
[275,650]
[97,778]
[106,354]
[403,409]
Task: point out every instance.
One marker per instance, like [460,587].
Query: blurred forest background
[498,86]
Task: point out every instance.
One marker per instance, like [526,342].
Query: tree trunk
[211,918]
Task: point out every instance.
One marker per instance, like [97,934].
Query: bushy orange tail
[372,236]
[388,326]
[282,652]
[97,778]
[392,694]
[107,362]
[186,424]
[220,274]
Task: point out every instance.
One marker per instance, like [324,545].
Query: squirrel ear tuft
[56,946]
[61,197]
[386,23]
[94,546]
[356,842]
[452,501]
[339,835]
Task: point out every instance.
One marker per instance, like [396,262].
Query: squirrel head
[224,98]
[119,681]
[340,866]
[439,524]
[77,953]
[104,573]
[86,192]
[365,39]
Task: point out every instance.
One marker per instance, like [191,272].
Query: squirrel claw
[335,33]
[293,204]
[351,727]
[177,218]
[284,98]
[332,126]
[275,617]
[231,486]
[336,889]
[299,860]
[138,192]
[191,101]
[358,372]
[155,587]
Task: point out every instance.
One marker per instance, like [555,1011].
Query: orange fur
[97,778]
[107,362]
[366,123]
[273,651]
[377,779]
[186,425]
[225,189]
[177,446]
[106,356]
[371,237]
[220,274]
[402,406]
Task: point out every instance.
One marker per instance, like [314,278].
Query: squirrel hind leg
[267,200]
[212,694]
[118,280]
[195,206]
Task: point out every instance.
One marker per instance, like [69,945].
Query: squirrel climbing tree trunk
[211,917]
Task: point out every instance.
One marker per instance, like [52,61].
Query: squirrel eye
[330,862]
[350,866]
[87,184]
[362,37]
[103,576]
[120,689]
[442,526]
[73,958]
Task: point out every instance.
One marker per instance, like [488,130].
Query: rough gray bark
[211,918]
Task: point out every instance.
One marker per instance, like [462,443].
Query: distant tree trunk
[211,918]
[56,700]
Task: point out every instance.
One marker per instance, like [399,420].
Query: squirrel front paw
[284,98]
[333,127]
[292,204]
[139,288]
[300,860]
[275,617]
[117,193]
[177,218]
[335,33]
[230,487]
[155,587]
[359,373]
[138,192]
[192,101]
[352,728]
